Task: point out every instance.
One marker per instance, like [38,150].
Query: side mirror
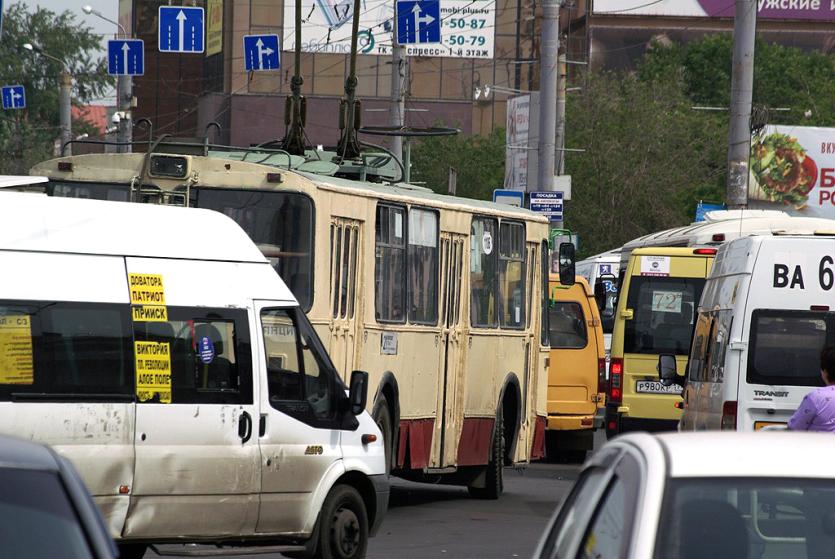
[667,369]
[358,392]
[566,259]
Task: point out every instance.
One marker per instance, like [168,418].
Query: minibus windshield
[664,309]
[785,346]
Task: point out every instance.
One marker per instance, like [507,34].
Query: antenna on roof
[295,106]
[349,106]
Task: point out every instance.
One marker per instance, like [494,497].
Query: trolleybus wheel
[494,476]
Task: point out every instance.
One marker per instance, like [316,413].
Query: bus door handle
[245,427]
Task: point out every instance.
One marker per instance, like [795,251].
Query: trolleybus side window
[545,329]
[512,274]
[483,272]
[423,266]
[390,264]
[344,239]
[280,223]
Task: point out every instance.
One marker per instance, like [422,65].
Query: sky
[108,8]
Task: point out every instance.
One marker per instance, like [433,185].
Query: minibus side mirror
[566,260]
[667,369]
[358,392]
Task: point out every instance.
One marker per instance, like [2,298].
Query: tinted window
[423,266]
[512,274]
[568,325]
[663,317]
[56,350]
[483,272]
[204,352]
[785,346]
[36,517]
[280,223]
[390,264]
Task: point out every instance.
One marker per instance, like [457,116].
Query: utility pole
[399,62]
[65,109]
[549,48]
[742,86]
[560,136]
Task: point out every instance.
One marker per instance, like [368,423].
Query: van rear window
[785,346]
[568,326]
[664,310]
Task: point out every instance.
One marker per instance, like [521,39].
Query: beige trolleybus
[439,298]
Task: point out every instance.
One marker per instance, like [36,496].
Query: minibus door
[450,405]
[345,285]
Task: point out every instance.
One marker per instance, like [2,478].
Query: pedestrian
[817,410]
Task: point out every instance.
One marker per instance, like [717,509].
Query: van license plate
[655,387]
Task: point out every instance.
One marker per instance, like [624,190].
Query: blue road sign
[509,197]
[14,97]
[126,57]
[703,207]
[181,29]
[548,204]
[261,52]
[418,22]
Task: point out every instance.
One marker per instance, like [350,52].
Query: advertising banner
[820,10]
[516,137]
[214,27]
[467,28]
[793,169]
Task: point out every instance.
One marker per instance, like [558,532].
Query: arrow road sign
[181,29]
[548,203]
[261,52]
[126,57]
[418,22]
[14,97]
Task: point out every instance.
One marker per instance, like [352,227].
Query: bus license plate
[655,387]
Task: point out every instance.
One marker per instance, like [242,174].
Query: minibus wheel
[344,530]
[494,485]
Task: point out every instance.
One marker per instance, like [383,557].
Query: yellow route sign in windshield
[16,349]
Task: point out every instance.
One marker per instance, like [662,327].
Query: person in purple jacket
[817,410]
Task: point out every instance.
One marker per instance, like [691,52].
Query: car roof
[20,454]
[35,222]
[772,454]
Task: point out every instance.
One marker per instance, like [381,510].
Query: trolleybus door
[450,405]
[526,430]
[345,285]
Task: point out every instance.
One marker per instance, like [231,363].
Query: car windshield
[36,517]
[663,308]
[741,518]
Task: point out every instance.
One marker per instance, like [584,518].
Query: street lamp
[64,95]
[123,88]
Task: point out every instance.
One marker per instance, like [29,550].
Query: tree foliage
[27,136]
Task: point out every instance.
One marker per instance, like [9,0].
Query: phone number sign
[468,28]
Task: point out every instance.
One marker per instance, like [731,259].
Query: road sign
[261,52]
[180,29]
[548,204]
[418,22]
[14,97]
[509,197]
[126,57]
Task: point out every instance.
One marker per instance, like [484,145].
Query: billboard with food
[793,169]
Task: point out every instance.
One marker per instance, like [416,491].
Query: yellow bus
[659,297]
[443,300]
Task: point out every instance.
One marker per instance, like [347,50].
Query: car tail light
[616,380]
[728,416]
[705,251]
[601,375]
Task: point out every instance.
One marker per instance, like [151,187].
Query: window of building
[298,369]
[60,351]
[568,326]
[512,274]
[390,264]
[423,266]
[483,272]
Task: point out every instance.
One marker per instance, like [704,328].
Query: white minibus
[158,350]
[765,314]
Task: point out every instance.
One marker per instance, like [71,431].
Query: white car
[712,495]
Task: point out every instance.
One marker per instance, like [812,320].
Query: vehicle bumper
[570,422]
[618,422]
[382,487]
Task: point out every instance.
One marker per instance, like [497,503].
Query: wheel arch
[510,400]
[388,387]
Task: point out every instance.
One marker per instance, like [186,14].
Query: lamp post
[64,95]
[123,90]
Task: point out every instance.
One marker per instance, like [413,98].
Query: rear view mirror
[566,260]
[667,369]
[358,393]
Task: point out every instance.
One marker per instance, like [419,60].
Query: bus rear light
[821,308]
[705,251]
[601,375]
[616,380]
[728,416]
[65,166]
[718,237]
[275,177]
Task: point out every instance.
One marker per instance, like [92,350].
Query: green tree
[27,136]
[479,161]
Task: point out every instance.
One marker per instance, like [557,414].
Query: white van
[765,314]
[156,348]
[605,266]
